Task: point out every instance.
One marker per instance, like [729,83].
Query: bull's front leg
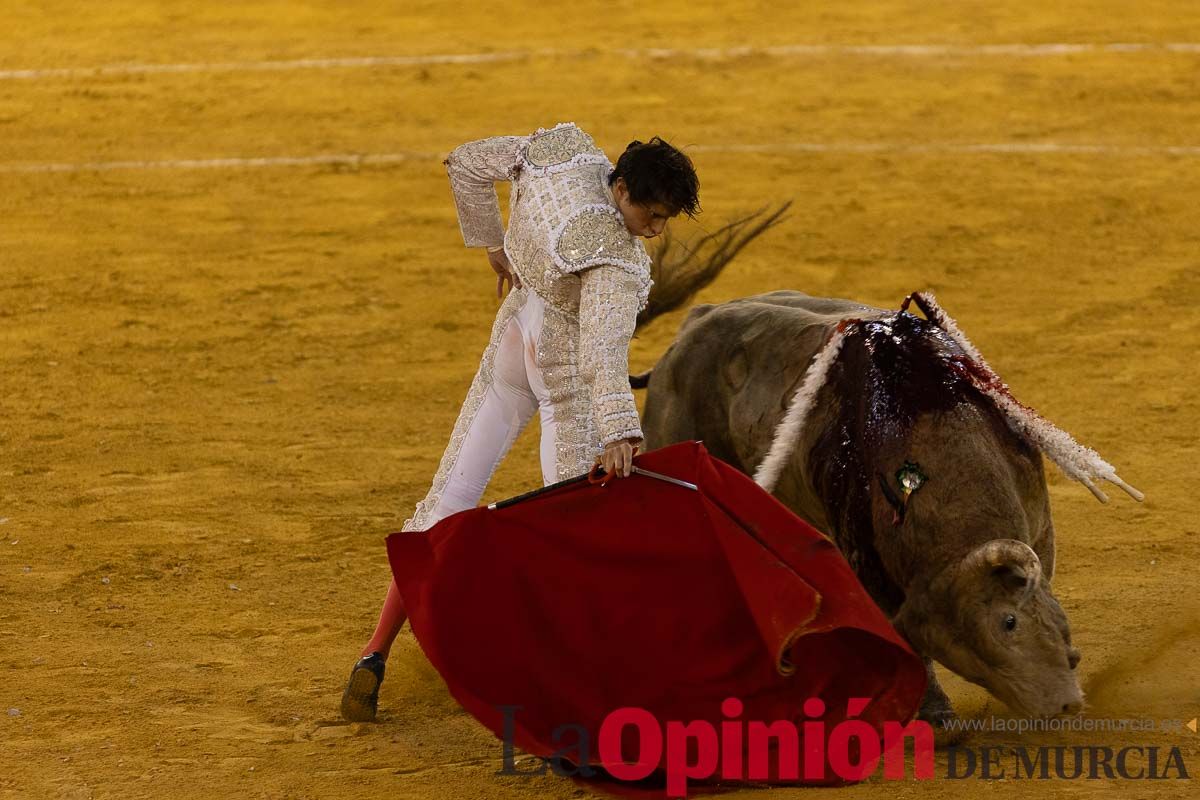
[935,708]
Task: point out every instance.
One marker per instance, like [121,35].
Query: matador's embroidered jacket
[568,243]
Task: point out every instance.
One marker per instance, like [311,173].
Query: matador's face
[647,220]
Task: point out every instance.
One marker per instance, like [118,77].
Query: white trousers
[511,395]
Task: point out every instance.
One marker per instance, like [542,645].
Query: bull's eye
[1010,622]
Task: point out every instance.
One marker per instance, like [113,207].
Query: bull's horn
[1006,552]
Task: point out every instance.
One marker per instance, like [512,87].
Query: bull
[889,432]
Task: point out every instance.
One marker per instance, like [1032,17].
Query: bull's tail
[641,380]
[678,276]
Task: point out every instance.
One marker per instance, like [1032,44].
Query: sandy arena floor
[224,382]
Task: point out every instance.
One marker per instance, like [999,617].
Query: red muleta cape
[585,599]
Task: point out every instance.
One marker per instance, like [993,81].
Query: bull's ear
[1013,577]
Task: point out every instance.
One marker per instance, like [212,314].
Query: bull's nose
[1073,707]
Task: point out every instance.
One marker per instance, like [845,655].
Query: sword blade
[667,478]
[579,478]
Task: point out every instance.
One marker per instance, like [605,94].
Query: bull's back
[732,369]
[828,310]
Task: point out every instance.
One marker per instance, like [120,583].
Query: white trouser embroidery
[506,392]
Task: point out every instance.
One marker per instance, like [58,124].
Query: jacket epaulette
[560,148]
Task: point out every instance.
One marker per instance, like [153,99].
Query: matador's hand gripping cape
[584,599]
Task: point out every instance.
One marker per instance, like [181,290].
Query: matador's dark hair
[656,172]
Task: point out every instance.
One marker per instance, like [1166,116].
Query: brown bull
[920,477]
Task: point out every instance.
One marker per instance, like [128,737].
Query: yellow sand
[223,386]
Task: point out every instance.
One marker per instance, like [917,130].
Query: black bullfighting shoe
[361,697]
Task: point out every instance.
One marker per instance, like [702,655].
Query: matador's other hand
[617,458]
[504,271]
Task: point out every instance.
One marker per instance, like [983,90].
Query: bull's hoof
[941,717]
[938,715]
